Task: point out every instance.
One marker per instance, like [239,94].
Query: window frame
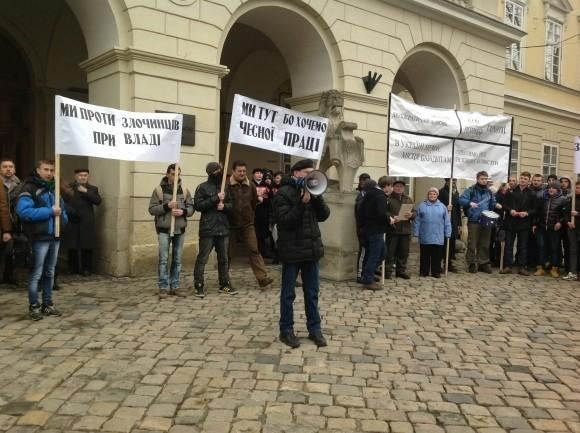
[514,55]
[550,165]
[518,141]
[551,45]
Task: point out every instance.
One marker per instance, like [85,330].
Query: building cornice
[349,96]
[463,18]
[525,101]
[131,54]
[541,82]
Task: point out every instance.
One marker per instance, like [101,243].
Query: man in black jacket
[362,252]
[455,220]
[375,218]
[520,208]
[297,215]
[214,229]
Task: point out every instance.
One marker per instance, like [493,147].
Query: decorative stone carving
[342,148]
[183,2]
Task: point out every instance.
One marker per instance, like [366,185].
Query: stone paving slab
[470,353]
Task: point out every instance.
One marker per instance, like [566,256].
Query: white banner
[270,127]
[577,155]
[472,157]
[482,142]
[418,155]
[103,132]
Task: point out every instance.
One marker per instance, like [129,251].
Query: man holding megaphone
[298,208]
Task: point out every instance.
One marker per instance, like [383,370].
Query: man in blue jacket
[38,212]
[474,200]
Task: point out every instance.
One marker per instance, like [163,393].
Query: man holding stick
[165,208]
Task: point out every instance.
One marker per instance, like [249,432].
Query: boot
[539,271]
[554,272]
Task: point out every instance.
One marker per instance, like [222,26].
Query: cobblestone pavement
[473,353]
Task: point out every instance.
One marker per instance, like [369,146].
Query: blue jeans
[375,254]
[44,256]
[310,285]
[548,242]
[176,251]
[510,238]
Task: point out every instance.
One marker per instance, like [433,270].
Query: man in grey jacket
[163,207]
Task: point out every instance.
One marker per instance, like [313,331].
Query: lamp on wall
[370,81]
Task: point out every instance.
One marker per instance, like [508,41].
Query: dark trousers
[397,252]
[549,245]
[430,259]
[310,286]
[452,250]
[375,255]
[7,260]
[80,261]
[361,257]
[565,247]
[206,244]
[522,256]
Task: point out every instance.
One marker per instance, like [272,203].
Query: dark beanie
[212,166]
[302,164]
[555,185]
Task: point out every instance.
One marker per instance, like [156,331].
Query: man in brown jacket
[241,218]
[399,233]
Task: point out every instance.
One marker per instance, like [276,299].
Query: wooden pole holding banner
[57,194]
[225,168]
[174,198]
[387,170]
[450,204]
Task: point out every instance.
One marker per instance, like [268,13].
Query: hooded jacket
[212,222]
[299,237]
[432,223]
[159,207]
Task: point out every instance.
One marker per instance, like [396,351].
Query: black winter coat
[520,201]
[374,216]
[299,238]
[80,232]
[212,222]
[455,211]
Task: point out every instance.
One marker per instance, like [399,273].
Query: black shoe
[35,312]
[228,289]
[403,275]
[56,287]
[199,290]
[86,273]
[50,310]
[436,275]
[485,268]
[289,339]
[318,339]
[472,268]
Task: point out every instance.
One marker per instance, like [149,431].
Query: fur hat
[433,189]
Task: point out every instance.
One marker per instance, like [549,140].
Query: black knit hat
[212,166]
[302,164]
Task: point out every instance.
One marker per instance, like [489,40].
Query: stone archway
[275,52]
[429,75]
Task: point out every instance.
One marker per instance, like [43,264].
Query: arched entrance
[274,53]
[430,76]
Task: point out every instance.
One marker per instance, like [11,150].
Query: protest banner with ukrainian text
[270,127]
[91,130]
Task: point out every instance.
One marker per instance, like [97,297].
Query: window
[515,157]
[550,161]
[553,50]
[514,16]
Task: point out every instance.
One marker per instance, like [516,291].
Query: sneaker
[50,310]
[570,277]
[472,268]
[523,271]
[163,294]
[318,339]
[265,282]
[228,289]
[35,312]
[199,290]
[178,293]
[289,339]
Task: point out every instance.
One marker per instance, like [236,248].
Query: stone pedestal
[339,238]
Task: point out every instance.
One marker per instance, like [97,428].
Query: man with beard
[12,187]
[214,229]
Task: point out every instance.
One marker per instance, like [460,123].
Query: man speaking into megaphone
[298,208]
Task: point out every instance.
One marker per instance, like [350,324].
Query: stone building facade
[192,56]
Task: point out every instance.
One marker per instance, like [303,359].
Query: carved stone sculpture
[342,149]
